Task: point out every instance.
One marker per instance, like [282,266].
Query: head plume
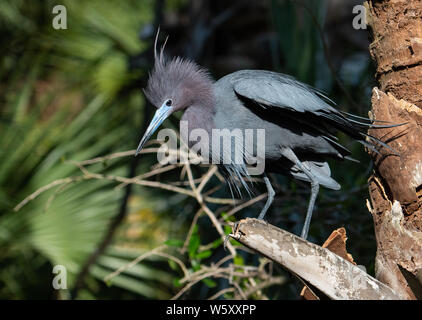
[179,79]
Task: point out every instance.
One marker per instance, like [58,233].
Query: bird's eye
[169,103]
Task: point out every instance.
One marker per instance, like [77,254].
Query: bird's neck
[200,116]
[204,101]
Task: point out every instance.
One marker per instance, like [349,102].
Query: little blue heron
[300,122]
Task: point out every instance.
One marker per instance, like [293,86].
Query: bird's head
[173,85]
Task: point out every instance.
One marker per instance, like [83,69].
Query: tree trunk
[396,184]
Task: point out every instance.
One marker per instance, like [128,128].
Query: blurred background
[75,94]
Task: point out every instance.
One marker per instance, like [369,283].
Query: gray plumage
[300,122]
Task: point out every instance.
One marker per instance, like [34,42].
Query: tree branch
[334,276]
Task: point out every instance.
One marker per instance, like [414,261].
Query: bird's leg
[289,154]
[314,193]
[270,197]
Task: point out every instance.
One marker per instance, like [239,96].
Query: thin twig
[246,204]
[262,285]
[155,251]
[35,194]
[220,293]
[187,240]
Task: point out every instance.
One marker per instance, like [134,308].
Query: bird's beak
[160,115]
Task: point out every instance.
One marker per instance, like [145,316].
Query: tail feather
[351,159]
[380,142]
[351,115]
[349,124]
[375,126]
[369,146]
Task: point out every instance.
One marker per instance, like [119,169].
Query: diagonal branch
[334,276]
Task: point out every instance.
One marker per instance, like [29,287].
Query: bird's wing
[277,96]
[273,94]
[281,91]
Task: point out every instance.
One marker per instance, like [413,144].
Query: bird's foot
[262,219]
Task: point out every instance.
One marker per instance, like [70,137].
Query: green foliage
[64,98]
[194,243]
[174,243]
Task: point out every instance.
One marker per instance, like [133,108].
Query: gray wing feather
[278,90]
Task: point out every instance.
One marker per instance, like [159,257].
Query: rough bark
[334,276]
[396,184]
[336,243]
